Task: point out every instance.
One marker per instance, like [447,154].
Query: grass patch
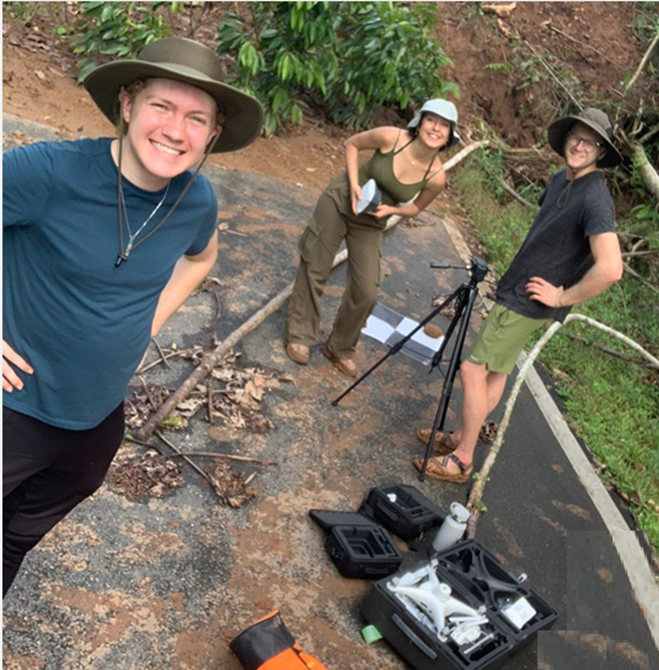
[612,405]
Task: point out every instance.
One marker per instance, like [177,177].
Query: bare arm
[606,270]
[188,273]
[370,140]
[429,193]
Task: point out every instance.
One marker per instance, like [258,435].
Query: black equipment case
[476,578]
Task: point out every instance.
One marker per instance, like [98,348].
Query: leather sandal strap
[457,461]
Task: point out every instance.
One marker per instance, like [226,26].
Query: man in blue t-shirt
[571,254]
[103,240]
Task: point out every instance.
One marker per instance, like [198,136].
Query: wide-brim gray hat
[188,61]
[597,121]
[444,108]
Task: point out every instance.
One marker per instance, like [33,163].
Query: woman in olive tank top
[409,175]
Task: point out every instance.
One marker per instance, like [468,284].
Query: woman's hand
[383,210]
[355,196]
[10,359]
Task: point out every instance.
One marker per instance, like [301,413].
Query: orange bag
[268,645]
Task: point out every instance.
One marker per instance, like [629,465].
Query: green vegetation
[25,12]
[612,405]
[344,58]
[117,29]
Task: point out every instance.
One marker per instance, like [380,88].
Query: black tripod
[464,298]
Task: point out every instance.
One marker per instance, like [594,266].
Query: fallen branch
[640,277]
[210,328]
[476,493]
[212,358]
[645,169]
[551,72]
[212,454]
[581,42]
[164,359]
[644,60]
[606,350]
[189,461]
[515,194]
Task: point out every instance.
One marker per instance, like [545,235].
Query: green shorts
[502,338]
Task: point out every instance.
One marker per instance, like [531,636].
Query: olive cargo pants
[318,245]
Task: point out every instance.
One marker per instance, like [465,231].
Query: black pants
[47,471]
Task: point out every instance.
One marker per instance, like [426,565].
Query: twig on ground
[190,462]
[142,443]
[211,418]
[232,457]
[145,386]
[163,358]
[213,323]
[166,358]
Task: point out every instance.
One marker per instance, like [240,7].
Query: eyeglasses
[588,145]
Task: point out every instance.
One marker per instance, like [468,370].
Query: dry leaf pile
[150,474]
[230,485]
[237,395]
[143,402]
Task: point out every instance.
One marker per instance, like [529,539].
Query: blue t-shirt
[82,323]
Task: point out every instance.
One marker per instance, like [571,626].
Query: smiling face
[583,148]
[170,126]
[434,130]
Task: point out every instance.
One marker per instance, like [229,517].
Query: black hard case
[411,515]
[363,552]
[421,648]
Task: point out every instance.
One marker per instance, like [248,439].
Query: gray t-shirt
[557,247]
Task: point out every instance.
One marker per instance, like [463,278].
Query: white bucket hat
[446,110]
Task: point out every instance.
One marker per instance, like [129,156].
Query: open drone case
[478,579]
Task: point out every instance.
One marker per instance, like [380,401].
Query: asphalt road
[167,583]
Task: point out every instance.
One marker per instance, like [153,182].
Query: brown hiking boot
[346,366]
[299,353]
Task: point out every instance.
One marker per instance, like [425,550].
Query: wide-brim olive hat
[188,61]
[597,121]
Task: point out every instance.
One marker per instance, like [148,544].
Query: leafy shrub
[117,29]
[344,58]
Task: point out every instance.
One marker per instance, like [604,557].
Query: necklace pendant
[120,258]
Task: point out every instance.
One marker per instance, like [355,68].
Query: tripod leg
[462,314]
[358,381]
[399,345]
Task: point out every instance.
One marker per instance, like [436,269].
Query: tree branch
[644,60]
[476,493]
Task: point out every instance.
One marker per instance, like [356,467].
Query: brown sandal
[488,432]
[437,469]
[442,445]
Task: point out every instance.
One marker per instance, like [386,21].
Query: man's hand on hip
[541,290]
[11,360]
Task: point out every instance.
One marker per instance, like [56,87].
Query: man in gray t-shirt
[570,255]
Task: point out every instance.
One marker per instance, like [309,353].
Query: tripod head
[477,267]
